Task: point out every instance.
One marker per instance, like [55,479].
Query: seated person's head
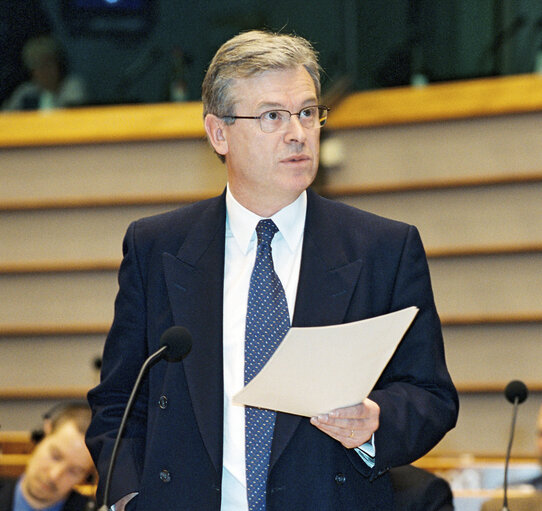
[60,461]
[43,57]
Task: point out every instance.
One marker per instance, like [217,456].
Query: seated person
[58,463]
[415,489]
[536,482]
[50,86]
[19,22]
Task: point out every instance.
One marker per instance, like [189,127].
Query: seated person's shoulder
[78,502]
[416,489]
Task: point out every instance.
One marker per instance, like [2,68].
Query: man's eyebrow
[270,106]
[279,106]
[78,468]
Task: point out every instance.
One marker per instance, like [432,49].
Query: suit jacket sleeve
[417,399]
[124,353]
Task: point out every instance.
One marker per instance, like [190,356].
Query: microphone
[516,392]
[175,344]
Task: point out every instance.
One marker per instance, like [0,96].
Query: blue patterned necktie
[266,325]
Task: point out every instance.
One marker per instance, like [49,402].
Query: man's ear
[214,127]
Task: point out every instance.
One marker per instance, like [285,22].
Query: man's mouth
[294,159]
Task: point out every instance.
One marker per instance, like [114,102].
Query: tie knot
[265,230]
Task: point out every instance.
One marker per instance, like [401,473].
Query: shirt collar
[290,220]
[22,504]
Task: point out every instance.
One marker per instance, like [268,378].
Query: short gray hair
[248,54]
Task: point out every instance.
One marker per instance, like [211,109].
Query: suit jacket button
[340,478]
[165,476]
[162,402]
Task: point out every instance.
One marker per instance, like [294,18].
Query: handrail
[515,318]
[431,185]
[112,264]
[440,102]
[46,393]
[56,329]
[444,461]
[88,202]
[53,329]
[483,251]
[58,266]
[77,392]
[166,121]
[331,191]
[91,125]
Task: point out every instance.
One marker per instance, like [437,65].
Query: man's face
[267,171]
[47,74]
[59,462]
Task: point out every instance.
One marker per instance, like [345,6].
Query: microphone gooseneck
[175,343]
[516,392]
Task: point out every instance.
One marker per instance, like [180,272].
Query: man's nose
[295,132]
[55,472]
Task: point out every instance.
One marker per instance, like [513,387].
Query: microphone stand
[508,451]
[129,405]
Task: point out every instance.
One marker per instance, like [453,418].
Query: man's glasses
[314,116]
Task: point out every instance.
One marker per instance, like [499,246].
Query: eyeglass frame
[320,124]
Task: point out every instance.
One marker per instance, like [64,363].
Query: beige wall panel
[471,217]
[50,361]
[488,285]
[484,426]
[488,353]
[438,150]
[109,169]
[468,217]
[72,234]
[23,415]
[57,298]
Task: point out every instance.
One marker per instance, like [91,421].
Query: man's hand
[351,426]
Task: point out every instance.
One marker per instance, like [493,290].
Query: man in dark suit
[58,463]
[186,442]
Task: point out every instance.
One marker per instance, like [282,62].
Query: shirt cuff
[367,452]
[120,505]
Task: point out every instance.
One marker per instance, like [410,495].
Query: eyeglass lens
[310,117]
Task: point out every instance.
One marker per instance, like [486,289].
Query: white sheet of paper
[318,369]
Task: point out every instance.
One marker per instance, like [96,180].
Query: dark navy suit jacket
[355,265]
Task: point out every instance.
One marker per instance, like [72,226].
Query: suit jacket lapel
[194,278]
[326,283]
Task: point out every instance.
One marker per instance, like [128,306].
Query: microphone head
[516,390]
[178,341]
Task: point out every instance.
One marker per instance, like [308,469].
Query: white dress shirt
[241,243]
[240,255]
